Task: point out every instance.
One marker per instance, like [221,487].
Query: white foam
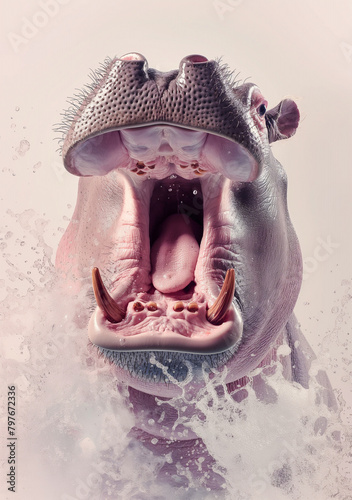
[72,422]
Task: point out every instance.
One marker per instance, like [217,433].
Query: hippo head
[182,211]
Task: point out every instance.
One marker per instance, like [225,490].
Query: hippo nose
[134,63]
[195,59]
[132,69]
[194,69]
[133,56]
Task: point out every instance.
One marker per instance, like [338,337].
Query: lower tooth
[192,307]
[152,306]
[138,306]
[178,306]
[216,313]
[111,309]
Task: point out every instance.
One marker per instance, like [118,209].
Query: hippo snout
[181,218]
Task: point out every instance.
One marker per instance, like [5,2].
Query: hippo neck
[190,455]
[167,418]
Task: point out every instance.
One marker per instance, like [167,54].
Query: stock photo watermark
[222,7]
[42,358]
[31,25]
[11,439]
[323,250]
[58,170]
[84,489]
[346,49]
[276,471]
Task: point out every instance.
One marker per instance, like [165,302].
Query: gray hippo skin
[182,212]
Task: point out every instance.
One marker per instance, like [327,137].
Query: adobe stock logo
[346,49]
[324,249]
[31,26]
[224,6]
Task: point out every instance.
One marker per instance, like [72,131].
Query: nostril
[132,56]
[195,58]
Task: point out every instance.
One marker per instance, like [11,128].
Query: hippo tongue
[174,254]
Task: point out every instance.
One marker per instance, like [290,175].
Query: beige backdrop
[300,49]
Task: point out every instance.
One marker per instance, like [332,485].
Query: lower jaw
[199,344]
[164,373]
[166,363]
[166,325]
[161,333]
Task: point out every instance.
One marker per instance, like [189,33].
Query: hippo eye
[262,110]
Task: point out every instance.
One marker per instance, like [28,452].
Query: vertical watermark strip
[11,439]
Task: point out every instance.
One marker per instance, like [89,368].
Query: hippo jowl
[182,211]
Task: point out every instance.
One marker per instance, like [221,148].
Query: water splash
[73,423]
[23,147]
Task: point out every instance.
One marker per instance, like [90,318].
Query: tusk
[112,311]
[217,311]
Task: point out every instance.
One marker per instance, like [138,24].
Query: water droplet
[23,147]
[170,189]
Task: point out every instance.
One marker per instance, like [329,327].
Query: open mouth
[179,193]
[176,239]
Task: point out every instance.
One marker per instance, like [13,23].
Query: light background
[300,49]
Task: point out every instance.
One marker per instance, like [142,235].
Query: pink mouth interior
[167,310]
[174,255]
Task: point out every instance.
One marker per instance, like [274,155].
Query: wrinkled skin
[133,140]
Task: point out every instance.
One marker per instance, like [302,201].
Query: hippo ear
[282,121]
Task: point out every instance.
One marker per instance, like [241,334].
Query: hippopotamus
[182,222]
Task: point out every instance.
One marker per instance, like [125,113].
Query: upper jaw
[163,150]
[199,96]
[182,320]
